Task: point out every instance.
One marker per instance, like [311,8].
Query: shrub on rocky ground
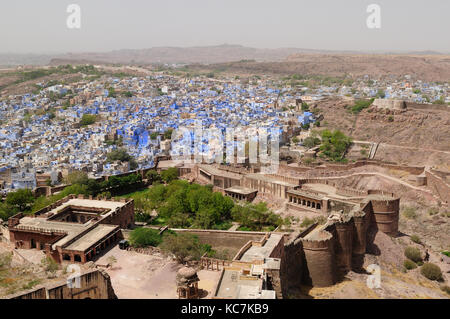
[409,264]
[416,239]
[413,254]
[410,212]
[431,271]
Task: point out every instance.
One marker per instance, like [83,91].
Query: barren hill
[424,67]
[421,136]
[187,55]
[429,66]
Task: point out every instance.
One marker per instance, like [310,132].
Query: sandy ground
[32,255]
[143,276]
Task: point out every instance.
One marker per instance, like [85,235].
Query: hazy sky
[39,26]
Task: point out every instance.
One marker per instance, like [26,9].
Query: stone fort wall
[94,284]
[339,246]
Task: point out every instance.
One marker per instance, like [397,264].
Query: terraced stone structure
[339,245]
[74,229]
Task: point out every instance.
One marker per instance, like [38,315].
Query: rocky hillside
[419,133]
[424,67]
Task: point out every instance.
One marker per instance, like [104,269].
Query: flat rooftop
[233,286]
[260,253]
[73,229]
[305,194]
[90,238]
[106,204]
[170,163]
[270,179]
[241,190]
[218,172]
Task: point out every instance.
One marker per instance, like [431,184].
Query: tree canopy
[88,119]
[121,155]
[334,145]
[184,246]
[255,217]
[169,174]
[143,237]
[20,199]
[77,177]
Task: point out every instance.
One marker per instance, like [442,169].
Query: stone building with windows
[74,229]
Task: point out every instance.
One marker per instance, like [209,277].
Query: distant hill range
[424,67]
[427,64]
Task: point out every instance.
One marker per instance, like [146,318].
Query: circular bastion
[386,213]
[319,255]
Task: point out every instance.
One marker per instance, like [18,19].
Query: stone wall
[386,213]
[344,245]
[339,246]
[124,217]
[266,186]
[94,284]
[438,186]
[292,265]
[389,104]
[233,241]
[320,261]
[418,106]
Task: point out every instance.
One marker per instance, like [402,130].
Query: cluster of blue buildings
[31,138]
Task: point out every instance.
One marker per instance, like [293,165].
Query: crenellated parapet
[386,213]
[339,245]
[319,253]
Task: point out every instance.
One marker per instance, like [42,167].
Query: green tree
[334,144]
[157,195]
[381,94]
[206,218]
[154,135]
[88,119]
[41,202]
[111,92]
[77,177]
[5,211]
[168,134]
[256,217]
[169,174]
[183,246]
[359,105]
[143,237]
[311,141]
[119,154]
[20,199]
[153,176]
